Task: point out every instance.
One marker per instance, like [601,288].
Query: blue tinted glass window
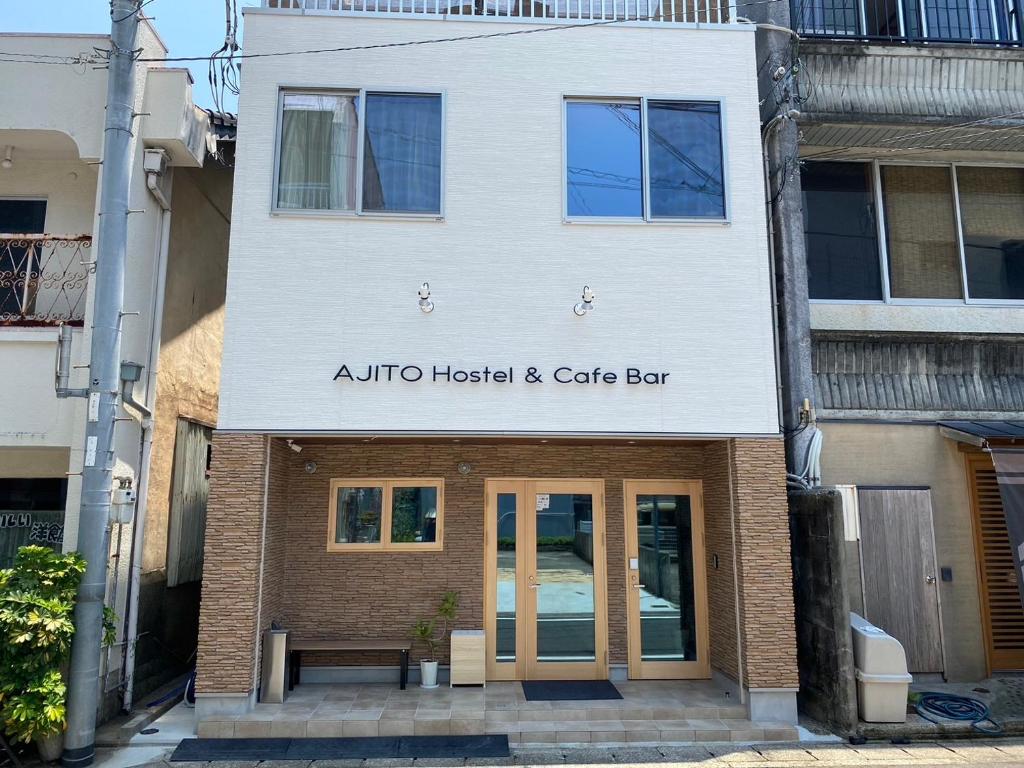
[402,153]
[603,159]
[684,140]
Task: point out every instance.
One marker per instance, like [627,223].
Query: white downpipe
[145,450]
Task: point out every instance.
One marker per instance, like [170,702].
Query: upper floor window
[360,152]
[877,232]
[963,21]
[644,159]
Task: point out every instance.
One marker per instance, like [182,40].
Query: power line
[129,15]
[432,41]
[697,10]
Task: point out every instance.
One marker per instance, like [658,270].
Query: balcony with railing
[970,22]
[555,11]
[43,279]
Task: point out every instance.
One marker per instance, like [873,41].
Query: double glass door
[545,605]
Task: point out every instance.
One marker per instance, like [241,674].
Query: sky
[188,27]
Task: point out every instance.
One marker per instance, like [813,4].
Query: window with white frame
[645,159]
[891,232]
[360,152]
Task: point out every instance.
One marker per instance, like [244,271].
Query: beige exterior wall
[899,454]
[188,376]
[309,590]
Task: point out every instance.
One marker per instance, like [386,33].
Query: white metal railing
[43,279]
[665,11]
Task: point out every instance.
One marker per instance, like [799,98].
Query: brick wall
[370,595]
[718,542]
[765,568]
[227,615]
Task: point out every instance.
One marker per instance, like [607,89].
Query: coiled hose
[959,708]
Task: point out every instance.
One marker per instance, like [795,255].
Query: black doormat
[569,690]
[203,750]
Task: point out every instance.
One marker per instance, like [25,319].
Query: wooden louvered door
[1002,614]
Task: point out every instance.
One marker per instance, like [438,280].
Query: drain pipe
[145,446]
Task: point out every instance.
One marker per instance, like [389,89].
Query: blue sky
[189,27]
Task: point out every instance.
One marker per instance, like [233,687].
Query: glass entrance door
[665,574]
[545,603]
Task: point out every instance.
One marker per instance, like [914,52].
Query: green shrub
[426,630]
[37,601]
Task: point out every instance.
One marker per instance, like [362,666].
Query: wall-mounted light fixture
[8,161]
[585,306]
[310,467]
[426,305]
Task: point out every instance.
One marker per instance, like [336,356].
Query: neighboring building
[605,489]
[51,138]
[912,180]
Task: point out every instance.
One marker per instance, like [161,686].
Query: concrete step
[604,731]
[571,711]
[631,731]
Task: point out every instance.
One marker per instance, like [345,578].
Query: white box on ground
[881,672]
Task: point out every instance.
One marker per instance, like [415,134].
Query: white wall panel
[308,293]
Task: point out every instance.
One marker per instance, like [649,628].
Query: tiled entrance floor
[649,712]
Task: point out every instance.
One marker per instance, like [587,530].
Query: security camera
[294,447]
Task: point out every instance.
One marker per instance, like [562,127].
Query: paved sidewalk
[996,752]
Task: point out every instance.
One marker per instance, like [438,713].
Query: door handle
[639,586]
[533,586]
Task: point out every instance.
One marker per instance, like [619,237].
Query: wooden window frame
[387,486]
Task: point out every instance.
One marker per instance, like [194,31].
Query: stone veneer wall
[309,590]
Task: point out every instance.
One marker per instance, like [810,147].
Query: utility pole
[104,384]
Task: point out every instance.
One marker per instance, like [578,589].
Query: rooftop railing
[971,22]
[561,11]
[43,279]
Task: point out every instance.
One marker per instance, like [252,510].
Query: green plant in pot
[37,601]
[432,632]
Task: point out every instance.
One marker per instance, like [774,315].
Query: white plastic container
[881,672]
[882,698]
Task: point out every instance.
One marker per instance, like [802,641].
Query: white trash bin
[881,673]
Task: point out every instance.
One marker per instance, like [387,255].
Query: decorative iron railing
[43,279]
[973,22]
[562,11]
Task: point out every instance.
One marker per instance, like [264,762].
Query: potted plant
[432,635]
[37,600]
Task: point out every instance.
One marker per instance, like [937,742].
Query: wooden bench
[296,645]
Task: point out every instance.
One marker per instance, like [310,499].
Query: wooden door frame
[667,670]
[492,488]
[526,667]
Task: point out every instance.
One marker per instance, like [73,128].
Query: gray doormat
[569,690]
[207,750]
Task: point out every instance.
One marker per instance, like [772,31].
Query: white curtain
[319,136]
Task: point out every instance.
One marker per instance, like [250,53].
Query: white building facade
[518,282]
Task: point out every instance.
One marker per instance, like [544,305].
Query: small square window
[368,515]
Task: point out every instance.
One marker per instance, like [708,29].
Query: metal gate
[899,571]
